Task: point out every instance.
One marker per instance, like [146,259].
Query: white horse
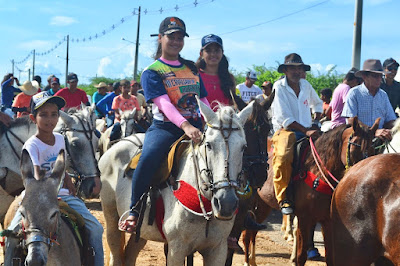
[394,144]
[212,168]
[49,240]
[81,144]
[127,129]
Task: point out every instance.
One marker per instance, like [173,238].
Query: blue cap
[209,39]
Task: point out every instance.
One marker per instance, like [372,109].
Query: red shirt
[213,87]
[73,99]
[22,100]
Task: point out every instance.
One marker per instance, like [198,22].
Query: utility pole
[29,74]
[12,62]
[137,48]
[357,35]
[33,65]
[66,64]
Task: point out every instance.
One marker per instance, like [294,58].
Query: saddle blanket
[187,196]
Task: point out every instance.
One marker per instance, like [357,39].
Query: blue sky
[322,33]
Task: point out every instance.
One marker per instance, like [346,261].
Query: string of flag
[133,13]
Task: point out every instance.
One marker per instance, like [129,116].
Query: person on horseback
[294,96]
[43,149]
[368,101]
[171,82]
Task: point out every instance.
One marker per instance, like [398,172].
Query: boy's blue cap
[44,97]
[209,39]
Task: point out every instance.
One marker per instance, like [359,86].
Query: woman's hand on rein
[192,132]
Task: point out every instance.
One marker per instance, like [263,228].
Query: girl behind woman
[214,71]
[171,83]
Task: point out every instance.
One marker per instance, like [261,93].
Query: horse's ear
[268,102]
[66,117]
[206,111]
[355,125]
[133,113]
[26,166]
[245,113]
[92,108]
[59,167]
[83,106]
[375,126]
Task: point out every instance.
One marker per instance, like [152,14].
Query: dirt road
[271,248]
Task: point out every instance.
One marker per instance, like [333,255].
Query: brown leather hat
[371,65]
[293,59]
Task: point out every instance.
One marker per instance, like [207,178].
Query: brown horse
[337,148]
[365,211]
[255,164]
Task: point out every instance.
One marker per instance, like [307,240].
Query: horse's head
[357,142]
[39,208]
[128,122]
[81,141]
[221,151]
[255,158]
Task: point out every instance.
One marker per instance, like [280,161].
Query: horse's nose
[96,187]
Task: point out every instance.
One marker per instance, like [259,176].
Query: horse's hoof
[289,239]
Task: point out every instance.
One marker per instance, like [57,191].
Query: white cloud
[62,21]
[104,62]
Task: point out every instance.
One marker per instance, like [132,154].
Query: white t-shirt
[45,156]
[246,93]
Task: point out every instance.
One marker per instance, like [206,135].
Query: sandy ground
[271,248]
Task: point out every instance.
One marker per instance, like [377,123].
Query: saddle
[302,148]
[168,167]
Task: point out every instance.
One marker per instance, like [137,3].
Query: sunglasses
[390,68]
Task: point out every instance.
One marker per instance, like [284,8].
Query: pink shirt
[213,87]
[123,104]
[337,103]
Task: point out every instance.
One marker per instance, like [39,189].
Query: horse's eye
[208,145]
[54,215]
[244,147]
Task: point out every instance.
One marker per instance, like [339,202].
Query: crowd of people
[171,83]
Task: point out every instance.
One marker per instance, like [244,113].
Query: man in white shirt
[248,90]
[294,96]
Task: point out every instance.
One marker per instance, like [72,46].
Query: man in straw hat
[369,102]
[21,104]
[99,94]
[294,96]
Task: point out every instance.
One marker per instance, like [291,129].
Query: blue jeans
[94,228]
[110,120]
[159,137]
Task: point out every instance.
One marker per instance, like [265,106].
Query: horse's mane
[18,122]
[259,117]
[226,114]
[396,126]
[329,148]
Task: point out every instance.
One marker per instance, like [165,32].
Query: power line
[275,19]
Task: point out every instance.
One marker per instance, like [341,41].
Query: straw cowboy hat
[101,85]
[28,88]
[371,65]
[293,59]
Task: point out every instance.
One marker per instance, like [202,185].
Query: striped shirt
[359,102]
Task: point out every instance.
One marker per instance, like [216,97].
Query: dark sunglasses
[390,68]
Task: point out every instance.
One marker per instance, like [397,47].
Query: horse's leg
[327,233]
[115,238]
[293,256]
[247,236]
[176,256]
[305,225]
[229,258]
[215,256]
[288,227]
[284,222]
[132,250]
